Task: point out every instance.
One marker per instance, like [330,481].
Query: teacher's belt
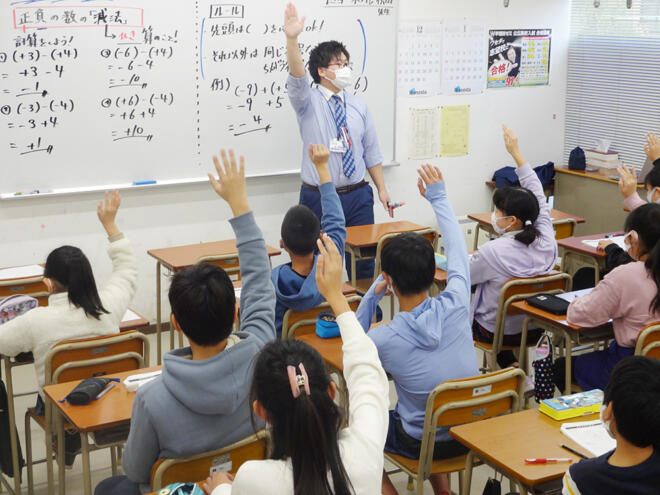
[340,190]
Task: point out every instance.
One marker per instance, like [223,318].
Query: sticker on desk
[486,389]
[221,464]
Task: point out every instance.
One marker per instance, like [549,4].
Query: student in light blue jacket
[295,282]
[429,341]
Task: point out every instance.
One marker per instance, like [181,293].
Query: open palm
[293,25]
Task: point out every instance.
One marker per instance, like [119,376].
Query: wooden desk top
[141,322]
[362,236]
[507,440]
[180,257]
[330,349]
[556,215]
[602,174]
[576,244]
[113,409]
[544,315]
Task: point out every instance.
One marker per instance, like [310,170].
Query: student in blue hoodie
[202,404]
[430,340]
[295,282]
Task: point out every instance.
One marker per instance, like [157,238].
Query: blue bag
[326,326]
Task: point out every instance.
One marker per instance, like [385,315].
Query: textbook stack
[572,406]
[600,159]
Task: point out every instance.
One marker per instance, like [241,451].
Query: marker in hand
[392,206]
[548,460]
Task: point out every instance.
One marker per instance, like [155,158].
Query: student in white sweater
[76,309]
[293,393]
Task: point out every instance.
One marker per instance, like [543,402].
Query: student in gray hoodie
[202,404]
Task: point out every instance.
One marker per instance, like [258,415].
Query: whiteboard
[99,93]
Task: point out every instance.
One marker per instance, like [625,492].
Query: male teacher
[328,114]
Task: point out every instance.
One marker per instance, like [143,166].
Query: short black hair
[634,390]
[300,230]
[321,56]
[203,301]
[409,259]
[653,177]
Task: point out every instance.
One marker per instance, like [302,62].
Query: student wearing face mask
[329,114]
[628,296]
[526,248]
[631,200]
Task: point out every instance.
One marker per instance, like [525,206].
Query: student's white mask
[606,424]
[493,220]
[343,77]
[631,237]
[649,196]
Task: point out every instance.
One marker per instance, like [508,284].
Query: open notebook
[590,435]
[618,240]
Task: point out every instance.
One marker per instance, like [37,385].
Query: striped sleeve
[569,486]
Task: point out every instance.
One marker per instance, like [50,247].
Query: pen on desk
[548,460]
[106,390]
[573,451]
[618,234]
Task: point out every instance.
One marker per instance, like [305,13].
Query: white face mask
[631,237]
[606,424]
[649,196]
[343,77]
[493,220]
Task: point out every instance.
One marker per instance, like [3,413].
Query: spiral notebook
[590,435]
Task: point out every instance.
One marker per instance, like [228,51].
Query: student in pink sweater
[628,295]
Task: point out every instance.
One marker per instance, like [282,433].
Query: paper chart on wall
[423,133]
[418,61]
[464,54]
[455,130]
[519,57]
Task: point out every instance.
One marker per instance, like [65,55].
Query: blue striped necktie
[348,161]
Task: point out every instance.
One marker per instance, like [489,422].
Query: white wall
[192,213]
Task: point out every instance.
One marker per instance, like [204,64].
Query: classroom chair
[516,289]
[74,360]
[33,287]
[302,322]
[648,342]
[457,402]
[198,467]
[564,228]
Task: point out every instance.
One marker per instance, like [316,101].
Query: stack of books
[572,406]
[601,159]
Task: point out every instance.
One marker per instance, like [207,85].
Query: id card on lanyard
[342,142]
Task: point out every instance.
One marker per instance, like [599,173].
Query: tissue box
[602,159]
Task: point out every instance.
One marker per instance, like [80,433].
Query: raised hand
[293,25]
[329,274]
[230,184]
[511,144]
[652,146]
[428,174]
[627,180]
[107,212]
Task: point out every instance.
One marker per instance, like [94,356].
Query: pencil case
[549,302]
[326,326]
[86,391]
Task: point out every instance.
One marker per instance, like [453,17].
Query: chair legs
[28,454]
[411,484]
[113,460]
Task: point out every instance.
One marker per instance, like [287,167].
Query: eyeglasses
[341,65]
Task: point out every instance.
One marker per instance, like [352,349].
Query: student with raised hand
[429,341]
[628,295]
[76,308]
[201,400]
[630,412]
[293,393]
[652,148]
[295,282]
[526,248]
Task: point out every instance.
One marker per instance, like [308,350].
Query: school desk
[578,255]
[32,285]
[110,411]
[132,321]
[360,238]
[178,258]
[573,334]
[592,195]
[563,223]
[504,442]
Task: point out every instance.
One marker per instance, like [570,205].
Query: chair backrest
[564,228]
[72,360]
[198,467]
[516,289]
[228,262]
[33,287]
[429,234]
[648,341]
[302,322]
[467,400]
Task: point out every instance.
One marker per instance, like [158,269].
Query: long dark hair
[645,220]
[303,429]
[522,204]
[70,268]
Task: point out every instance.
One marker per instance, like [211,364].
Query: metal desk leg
[159,344]
[522,358]
[87,475]
[476,237]
[353,265]
[58,421]
[13,440]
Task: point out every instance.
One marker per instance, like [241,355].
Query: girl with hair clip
[292,392]
[526,248]
[629,296]
[76,309]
